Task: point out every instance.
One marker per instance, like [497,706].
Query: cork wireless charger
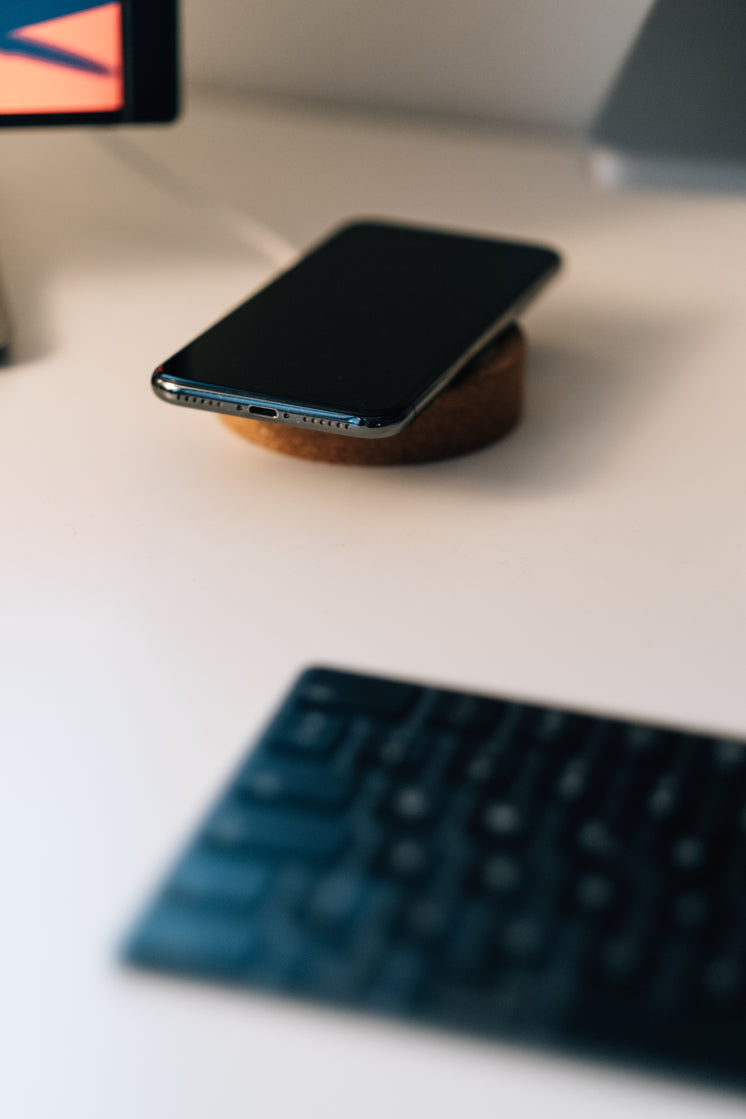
[360,326]
[479,407]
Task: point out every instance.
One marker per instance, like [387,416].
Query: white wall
[538,61]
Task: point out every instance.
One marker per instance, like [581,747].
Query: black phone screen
[367,321]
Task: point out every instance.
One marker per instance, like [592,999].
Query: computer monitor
[676,114]
[87,62]
[68,62]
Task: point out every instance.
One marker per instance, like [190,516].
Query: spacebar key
[237,825]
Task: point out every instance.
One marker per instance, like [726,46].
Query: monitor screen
[84,61]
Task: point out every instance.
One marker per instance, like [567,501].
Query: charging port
[255,410]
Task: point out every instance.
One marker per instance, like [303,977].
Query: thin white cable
[240,226]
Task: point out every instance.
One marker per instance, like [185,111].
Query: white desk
[163,581]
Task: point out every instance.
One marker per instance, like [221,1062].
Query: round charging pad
[480,406]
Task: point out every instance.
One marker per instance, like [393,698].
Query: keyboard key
[645,747]
[307,732]
[471,948]
[671,981]
[411,805]
[596,895]
[483,1007]
[342,691]
[332,977]
[399,980]
[692,911]
[183,938]
[401,750]
[501,820]
[469,714]
[428,920]
[573,782]
[406,858]
[624,958]
[236,825]
[210,878]
[551,729]
[501,876]
[690,855]
[596,841]
[490,768]
[729,757]
[525,938]
[724,981]
[665,800]
[279,780]
[335,901]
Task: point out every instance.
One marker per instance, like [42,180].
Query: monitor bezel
[150,35]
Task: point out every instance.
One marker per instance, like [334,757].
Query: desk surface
[163,579]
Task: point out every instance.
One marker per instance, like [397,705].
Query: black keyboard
[531,873]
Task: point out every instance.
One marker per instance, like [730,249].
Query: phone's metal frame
[193,394]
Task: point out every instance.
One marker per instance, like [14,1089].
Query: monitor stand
[4,330]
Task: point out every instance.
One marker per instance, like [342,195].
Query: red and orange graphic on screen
[58,57]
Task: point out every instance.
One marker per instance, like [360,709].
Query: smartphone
[362,333]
